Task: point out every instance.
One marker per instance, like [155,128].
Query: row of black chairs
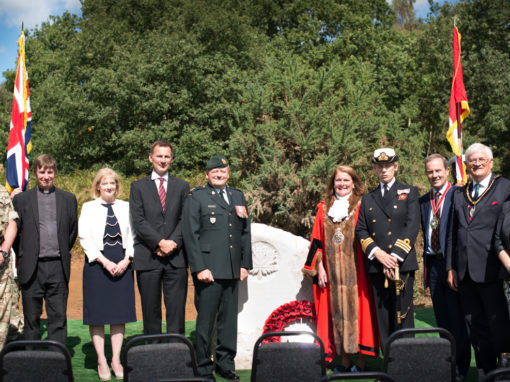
[171,357]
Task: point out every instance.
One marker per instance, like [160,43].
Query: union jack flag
[20,133]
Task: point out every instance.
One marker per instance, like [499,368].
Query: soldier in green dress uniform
[217,239]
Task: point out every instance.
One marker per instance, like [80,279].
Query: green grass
[85,363]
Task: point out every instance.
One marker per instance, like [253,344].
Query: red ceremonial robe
[367,336]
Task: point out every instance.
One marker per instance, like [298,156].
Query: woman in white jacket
[108,288]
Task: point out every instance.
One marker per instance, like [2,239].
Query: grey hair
[477,147]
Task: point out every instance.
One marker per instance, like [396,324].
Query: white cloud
[33,12]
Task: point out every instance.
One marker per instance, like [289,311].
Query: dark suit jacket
[391,224]
[470,245]
[426,210]
[151,224]
[502,234]
[215,236]
[25,204]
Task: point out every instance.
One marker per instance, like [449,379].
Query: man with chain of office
[472,262]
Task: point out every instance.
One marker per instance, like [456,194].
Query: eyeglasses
[477,162]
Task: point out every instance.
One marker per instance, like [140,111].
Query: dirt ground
[75,302]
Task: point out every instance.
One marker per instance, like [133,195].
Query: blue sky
[34,12]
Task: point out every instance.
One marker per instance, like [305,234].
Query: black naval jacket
[391,224]
[216,234]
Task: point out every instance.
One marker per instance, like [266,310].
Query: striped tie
[162,193]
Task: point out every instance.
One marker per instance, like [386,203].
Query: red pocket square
[494,203]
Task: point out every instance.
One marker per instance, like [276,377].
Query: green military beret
[217,161]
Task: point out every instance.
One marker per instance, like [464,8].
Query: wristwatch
[4,254]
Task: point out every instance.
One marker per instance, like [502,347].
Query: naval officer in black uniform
[216,233]
[388,224]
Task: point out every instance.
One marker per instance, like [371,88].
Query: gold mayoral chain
[338,236]
[435,208]
[472,207]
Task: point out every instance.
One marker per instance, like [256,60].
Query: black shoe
[229,375]
[210,377]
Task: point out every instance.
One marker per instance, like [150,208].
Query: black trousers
[216,301]
[173,282]
[486,312]
[48,284]
[386,305]
[448,311]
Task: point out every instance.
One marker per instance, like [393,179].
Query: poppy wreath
[285,315]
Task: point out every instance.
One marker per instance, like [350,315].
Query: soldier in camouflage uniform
[9,291]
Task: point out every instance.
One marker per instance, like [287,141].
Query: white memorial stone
[276,279]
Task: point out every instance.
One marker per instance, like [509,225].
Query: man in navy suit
[472,262]
[435,215]
[155,205]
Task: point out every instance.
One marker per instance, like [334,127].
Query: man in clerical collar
[388,224]
[435,216]
[47,230]
[471,259]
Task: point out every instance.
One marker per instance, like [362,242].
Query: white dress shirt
[155,177]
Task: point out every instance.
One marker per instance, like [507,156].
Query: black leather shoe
[229,375]
[209,377]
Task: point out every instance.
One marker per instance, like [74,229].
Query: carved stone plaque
[265,259]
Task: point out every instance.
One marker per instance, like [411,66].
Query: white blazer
[92,224]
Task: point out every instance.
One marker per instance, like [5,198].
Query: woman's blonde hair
[94,190]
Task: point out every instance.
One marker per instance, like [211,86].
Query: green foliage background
[286,89]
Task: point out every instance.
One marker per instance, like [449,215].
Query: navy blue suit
[447,308]
[471,251]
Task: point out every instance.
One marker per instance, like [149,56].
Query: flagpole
[459,138]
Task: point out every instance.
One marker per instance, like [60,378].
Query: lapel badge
[241,212]
[212,220]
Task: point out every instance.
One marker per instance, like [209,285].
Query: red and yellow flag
[459,108]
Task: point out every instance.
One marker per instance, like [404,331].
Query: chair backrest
[410,358]
[377,375]
[159,356]
[288,361]
[502,374]
[41,361]
[194,379]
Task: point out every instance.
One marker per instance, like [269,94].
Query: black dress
[107,299]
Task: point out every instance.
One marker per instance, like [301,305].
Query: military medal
[433,223]
[338,236]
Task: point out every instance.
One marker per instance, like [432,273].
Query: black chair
[376,375]
[410,358]
[159,357]
[288,361]
[196,379]
[502,374]
[41,361]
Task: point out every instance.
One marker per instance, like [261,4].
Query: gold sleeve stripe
[365,243]
[404,245]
